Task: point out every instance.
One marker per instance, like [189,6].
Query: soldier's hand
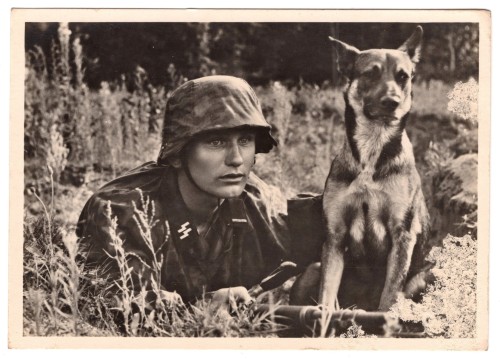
[170,298]
[229,298]
[152,299]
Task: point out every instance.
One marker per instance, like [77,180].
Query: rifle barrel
[305,316]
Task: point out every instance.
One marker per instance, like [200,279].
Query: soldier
[217,225]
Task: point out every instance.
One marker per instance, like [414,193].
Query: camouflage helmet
[212,103]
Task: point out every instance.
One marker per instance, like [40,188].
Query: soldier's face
[220,162]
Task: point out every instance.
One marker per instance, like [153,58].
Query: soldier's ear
[345,56]
[413,45]
[175,162]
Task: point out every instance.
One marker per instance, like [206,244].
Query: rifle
[306,319]
[302,320]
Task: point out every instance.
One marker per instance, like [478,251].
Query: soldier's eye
[246,139]
[215,142]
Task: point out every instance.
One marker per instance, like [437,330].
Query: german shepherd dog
[376,217]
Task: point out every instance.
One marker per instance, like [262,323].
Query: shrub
[463,100]
[448,308]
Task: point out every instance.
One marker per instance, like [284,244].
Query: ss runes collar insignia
[184,230]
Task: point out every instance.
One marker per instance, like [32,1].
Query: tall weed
[51,279]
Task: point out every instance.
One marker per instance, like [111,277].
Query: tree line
[259,52]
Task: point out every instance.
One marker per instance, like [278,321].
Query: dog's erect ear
[413,45]
[346,56]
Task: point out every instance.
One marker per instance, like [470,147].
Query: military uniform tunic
[245,239]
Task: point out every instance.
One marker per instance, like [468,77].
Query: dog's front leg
[398,265]
[332,267]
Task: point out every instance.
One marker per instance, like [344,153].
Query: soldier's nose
[234,157]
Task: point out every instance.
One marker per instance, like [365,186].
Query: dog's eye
[374,72]
[402,77]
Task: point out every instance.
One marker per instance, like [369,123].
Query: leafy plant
[449,305]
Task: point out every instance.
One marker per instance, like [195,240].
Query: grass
[62,298]
[77,139]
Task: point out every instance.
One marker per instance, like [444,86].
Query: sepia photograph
[300,179]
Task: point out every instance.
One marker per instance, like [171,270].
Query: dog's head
[380,79]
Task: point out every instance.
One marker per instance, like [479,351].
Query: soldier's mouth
[232,177]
